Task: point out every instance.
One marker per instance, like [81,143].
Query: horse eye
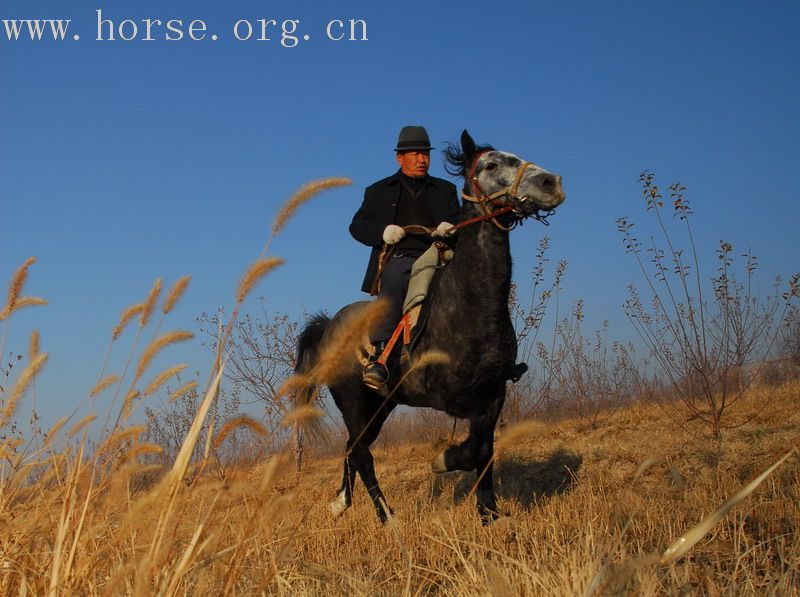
[490,166]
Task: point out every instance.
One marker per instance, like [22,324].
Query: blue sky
[124,161]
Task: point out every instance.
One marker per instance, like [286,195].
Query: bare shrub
[262,356]
[790,336]
[700,337]
[588,377]
[534,390]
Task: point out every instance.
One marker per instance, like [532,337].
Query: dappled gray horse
[469,321]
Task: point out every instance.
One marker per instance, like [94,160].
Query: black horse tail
[308,354]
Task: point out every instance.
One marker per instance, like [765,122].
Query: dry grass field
[580,521]
[636,502]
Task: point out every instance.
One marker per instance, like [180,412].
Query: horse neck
[481,268]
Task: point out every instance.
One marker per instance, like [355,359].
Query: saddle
[422,282]
[415,309]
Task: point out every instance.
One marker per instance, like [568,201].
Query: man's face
[414,163]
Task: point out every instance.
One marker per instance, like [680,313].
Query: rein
[388,250]
[485,202]
[417,228]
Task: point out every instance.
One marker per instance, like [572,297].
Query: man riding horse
[410,196]
[468,319]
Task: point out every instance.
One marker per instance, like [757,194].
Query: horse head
[501,179]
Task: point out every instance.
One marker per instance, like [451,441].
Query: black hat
[413,138]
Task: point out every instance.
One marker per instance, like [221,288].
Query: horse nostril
[548,183]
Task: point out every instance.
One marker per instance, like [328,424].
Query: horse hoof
[491,516]
[438,465]
[338,506]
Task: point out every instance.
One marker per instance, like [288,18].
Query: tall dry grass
[630,506]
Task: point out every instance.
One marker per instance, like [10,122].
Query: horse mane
[456,163]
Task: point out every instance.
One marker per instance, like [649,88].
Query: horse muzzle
[542,192]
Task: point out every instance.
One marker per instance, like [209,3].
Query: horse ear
[467,146]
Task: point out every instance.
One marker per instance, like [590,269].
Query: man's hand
[392,234]
[442,230]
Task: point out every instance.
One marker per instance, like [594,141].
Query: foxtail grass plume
[296,382]
[53,431]
[125,318]
[25,301]
[150,303]
[304,194]
[185,388]
[120,437]
[302,415]
[257,271]
[127,404]
[19,387]
[242,421]
[159,380]
[33,346]
[337,355]
[429,358]
[76,428]
[15,288]
[310,420]
[175,294]
[141,450]
[514,434]
[103,384]
[693,535]
[159,344]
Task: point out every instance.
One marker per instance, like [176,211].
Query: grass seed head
[184,389]
[103,384]
[76,428]
[150,303]
[304,194]
[175,294]
[20,303]
[33,347]
[159,380]
[235,423]
[159,344]
[19,387]
[337,356]
[257,271]
[125,318]
[15,288]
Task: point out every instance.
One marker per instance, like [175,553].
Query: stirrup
[375,376]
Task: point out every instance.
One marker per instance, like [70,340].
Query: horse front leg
[484,485]
[460,457]
[477,453]
[484,458]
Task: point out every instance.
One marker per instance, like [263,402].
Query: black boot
[375,374]
[519,370]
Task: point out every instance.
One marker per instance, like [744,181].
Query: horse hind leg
[366,470]
[364,421]
[345,496]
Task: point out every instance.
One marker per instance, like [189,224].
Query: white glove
[392,234]
[441,230]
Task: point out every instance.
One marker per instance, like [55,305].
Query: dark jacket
[379,209]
